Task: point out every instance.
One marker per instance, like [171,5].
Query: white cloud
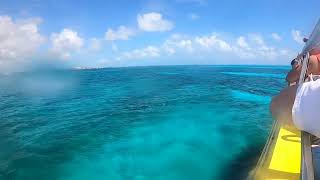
[154,22]
[276,36]
[185,44]
[148,52]
[296,35]
[242,42]
[213,42]
[177,43]
[122,33]
[94,44]
[65,43]
[18,40]
[193,16]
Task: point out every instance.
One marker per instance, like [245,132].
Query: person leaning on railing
[298,105]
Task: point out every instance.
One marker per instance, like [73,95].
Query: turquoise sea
[136,123]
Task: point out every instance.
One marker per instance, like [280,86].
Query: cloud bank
[21,40]
[249,47]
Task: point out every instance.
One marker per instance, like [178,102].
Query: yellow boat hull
[281,158]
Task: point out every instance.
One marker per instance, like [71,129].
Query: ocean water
[166,122]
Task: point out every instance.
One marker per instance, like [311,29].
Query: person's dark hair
[293,62]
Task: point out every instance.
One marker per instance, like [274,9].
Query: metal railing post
[307,169]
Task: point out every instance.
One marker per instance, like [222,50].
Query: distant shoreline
[143,66]
[153,66]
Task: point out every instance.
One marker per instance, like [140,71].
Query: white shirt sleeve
[306,108]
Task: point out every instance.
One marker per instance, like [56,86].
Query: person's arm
[293,75]
[281,105]
[313,65]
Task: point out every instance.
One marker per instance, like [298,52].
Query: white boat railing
[307,160]
[307,168]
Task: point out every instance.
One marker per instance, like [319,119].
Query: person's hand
[298,68]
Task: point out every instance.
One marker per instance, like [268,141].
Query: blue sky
[142,32]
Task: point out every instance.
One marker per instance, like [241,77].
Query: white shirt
[306,107]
